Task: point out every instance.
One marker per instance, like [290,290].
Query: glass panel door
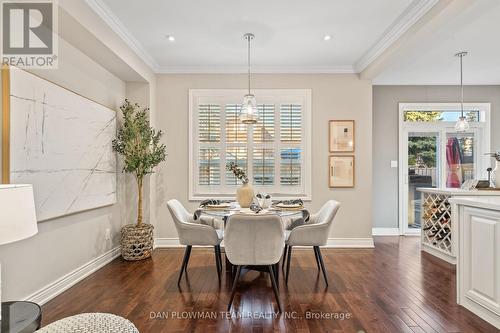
[460,158]
[423,162]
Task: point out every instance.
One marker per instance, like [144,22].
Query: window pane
[291,122]
[263,131]
[209,122]
[209,166]
[446,115]
[290,166]
[459,159]
[237,155]
[263,166]
[235,130]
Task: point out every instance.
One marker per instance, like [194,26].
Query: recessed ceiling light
[171,38]
[327,37]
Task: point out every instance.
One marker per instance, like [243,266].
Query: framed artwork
[58,141]
[341,136]
[341,171]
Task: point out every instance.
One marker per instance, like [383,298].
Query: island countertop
[459,191]
[481,202]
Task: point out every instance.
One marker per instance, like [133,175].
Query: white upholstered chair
[194,234]
[313,234]
[254,240]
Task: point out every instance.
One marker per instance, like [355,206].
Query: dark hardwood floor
[392,288]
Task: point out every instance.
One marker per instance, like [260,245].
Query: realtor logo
[29,38]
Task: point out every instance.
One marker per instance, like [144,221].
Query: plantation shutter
[209,166]
[263,131]
[263,166]
[209,134]
[291,123]
[235,131]
[209,123]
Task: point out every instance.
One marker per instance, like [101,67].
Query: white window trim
[304,96]
[481,129]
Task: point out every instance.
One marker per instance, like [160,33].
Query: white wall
[66,243]
[385,136]
[333,97]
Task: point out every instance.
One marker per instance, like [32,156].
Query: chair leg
[317,258]
[322,265]
[276,268]
[284,257]
[187,253]
[289,257]
[217,261]
[275,286]
[233,291]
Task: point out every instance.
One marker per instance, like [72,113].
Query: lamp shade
[17,213]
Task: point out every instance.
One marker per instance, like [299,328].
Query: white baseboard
[385,231]
[332,243]
[55,288]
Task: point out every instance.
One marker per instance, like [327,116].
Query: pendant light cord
[461,86]
[248,38]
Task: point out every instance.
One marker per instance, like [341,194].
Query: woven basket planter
[137,241]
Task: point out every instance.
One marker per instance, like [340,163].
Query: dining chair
[254,240]
[313,234]
[194,234]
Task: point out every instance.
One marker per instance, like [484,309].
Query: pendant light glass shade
[462,124]
[249,112]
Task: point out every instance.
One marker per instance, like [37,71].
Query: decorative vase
[244,195]
[495,175]
[137,241]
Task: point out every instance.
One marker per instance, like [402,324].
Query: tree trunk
[139,202]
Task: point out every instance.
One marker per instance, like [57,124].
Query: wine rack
[439,223]
[437,226]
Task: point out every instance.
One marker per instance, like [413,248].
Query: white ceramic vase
[244,195]
[495,175]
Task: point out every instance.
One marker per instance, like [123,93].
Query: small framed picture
[341,136]
[341,171]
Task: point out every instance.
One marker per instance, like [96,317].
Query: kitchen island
[477,225]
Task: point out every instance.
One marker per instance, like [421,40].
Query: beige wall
[385,136]
[333,97]
[66,243]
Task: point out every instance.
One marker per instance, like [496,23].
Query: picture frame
[341,136]
[341,171]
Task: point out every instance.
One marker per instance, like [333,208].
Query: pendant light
[249,113]
[462,125]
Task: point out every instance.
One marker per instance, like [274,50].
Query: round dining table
[224,214]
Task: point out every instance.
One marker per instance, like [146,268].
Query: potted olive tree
[139,145]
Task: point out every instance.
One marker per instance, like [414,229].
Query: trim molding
[119,28]
[341,69]
[385,231]
[352,243]
[414,12]
[5,73]
[55,288]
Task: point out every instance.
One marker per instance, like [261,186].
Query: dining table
[233,208]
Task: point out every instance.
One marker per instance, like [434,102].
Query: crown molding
[119,28]
[414,12]
[347,69]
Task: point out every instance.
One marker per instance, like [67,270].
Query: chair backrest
[254,239]
[327,212]
[178,212]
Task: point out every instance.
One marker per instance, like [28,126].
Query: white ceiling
[476,30]
[289,33]
[289,37]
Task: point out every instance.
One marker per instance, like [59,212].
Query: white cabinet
[478,264]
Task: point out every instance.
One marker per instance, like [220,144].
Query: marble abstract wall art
[61,143]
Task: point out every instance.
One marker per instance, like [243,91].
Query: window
[275,152]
